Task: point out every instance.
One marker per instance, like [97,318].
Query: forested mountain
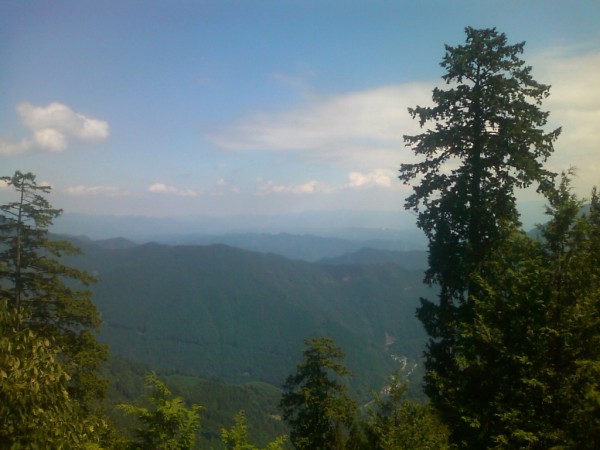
[237,315]
[411,260]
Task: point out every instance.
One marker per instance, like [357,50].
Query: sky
[215,108]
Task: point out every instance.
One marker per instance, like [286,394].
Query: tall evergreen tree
[315,404]
[51,296]
[487,141]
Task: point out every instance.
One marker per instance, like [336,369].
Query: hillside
[411,260]
[235,315]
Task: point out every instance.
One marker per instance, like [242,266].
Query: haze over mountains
[344,224]
[306,236]
[340,224]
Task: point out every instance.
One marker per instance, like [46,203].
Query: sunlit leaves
[36,409]
[236,438]
[167,424]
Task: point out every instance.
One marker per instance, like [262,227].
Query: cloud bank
[378,178]
[574,104]
[52,128]
[358,129]
[80,190]
[161,188]
[266,187]
[362,131]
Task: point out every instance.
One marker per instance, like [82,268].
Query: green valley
[235,315]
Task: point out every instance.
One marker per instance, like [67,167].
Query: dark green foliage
[572,250]
[315,403]
[35,281]
[529,360]
[396,423]
[487,141]
[498,389]
[167,424]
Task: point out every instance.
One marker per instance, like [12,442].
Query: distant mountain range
[306,247]
[326,250]
[412,260]
[343,224]
[354,225]
[236,315]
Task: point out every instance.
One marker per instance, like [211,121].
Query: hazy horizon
[332,223]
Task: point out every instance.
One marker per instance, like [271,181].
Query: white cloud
[310,187]
[223,187]
[53,127]
[358,129]
[7,147]
[574,104]
[61,118]
[94,190]
[378,177]
[49,139]
[161,188]
[42,184]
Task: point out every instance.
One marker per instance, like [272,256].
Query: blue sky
[181,108]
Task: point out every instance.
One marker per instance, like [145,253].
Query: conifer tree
[487,140]
[315,404]
[51,296]
[572,356]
